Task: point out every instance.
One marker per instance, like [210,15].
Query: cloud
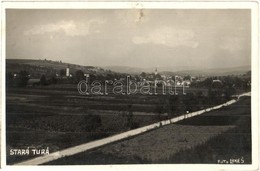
[169,37]
[232,44]
[68,27]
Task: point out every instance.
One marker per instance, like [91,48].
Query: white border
[253,5]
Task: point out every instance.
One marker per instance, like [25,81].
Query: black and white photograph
[129,86]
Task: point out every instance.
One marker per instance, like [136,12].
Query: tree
[187,77]
[22,79]
[62,72]
[129,116]
[79,75]
[214,96]
[43,80]
[158,76]
[143,75]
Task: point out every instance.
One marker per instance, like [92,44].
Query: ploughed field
[58,117]
[219,136]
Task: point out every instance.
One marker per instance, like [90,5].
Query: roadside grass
[233,144]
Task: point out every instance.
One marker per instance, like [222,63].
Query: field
[58,117]
[213,137]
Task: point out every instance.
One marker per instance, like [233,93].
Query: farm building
[216,84]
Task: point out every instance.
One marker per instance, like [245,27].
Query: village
[35,75]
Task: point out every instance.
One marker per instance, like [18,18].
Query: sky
[209,38]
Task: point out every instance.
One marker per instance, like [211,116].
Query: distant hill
[47,67]
[183,70]
[138,70]
[213,72]
[46,63]
[126,69]
[51,67]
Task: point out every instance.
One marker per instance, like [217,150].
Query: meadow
[57,116]
[194,140]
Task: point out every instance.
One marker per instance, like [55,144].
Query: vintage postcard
[113,85]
